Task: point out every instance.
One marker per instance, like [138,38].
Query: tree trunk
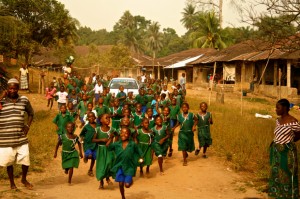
[153,58]
[221,13]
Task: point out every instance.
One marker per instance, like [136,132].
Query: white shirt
[143,78]
[165,92]
[23,71]
[62,97]
[85,119]
[98,89]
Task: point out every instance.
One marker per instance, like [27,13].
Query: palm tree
[189,14]
[207,32]
[154,41]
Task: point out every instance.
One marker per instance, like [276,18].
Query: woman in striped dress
[283,182]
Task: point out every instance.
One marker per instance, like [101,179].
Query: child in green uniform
[160,144]
[137,116]
[149,97]
[61,119]
[72,111]
[87,134]
[142,99]
[121,95]
[130,101]
[177,97]
[149,116]
[144,138]
[116,114]
[106,97]
[101,109]
[204,120]
[174,111]
[82,107]
[69,155]
[187,122]
[105,158]
[127,157]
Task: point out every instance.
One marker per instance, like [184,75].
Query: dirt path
[202,178]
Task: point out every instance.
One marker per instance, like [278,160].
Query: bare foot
[13,187]
[27,184]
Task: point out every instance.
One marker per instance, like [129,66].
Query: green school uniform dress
[69,155]
[149,100]
[61,121]
[119,95]
[102,110]
[116,119]
[174,111]
[82,108]
[151,123]
[186,135]
[131,103]
[144,143]
[137,119]
[160,149]
[106,100]
[127,158]
[105,158]
[88,133]
[203,127]
[142,99]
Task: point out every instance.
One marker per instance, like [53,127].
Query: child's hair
[185,104]
[72,123]
[63,105]
[166,107]
[100,116]
[138,104]
[91,113]
[163,95]
[148,109]
[158,116]
[127,129]
[203,103]
[90,103]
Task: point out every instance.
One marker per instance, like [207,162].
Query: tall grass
[41,143]
[242,140]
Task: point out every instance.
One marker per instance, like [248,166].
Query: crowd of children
[122,132]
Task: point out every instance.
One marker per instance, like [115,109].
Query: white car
[129,84]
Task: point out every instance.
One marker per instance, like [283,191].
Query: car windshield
[126,83]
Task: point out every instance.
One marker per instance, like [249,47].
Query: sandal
[170,153]
[204,156]
[90,173]
[197,151]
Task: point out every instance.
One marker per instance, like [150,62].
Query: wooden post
[275,73]
[242,80]
[39,91]
[279,82]
[215,66]
[288,74]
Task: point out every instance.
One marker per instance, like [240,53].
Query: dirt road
[201,179]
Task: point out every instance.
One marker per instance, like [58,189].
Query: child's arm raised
[56,147]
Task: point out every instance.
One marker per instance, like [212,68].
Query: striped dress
[283,181]
[12,121]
